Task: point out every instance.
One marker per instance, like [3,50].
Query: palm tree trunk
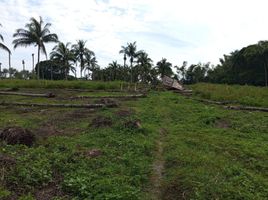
[265,76]
[131,73]
[38,60]
[9,64]
[51,73]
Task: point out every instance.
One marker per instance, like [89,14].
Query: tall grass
[77,84]
[246,95]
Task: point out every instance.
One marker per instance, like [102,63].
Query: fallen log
[109,105]
[48,95]
[111,97]
[249,108]
[215,102]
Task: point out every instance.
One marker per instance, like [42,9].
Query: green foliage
[4,193]
[246,66]
[32,168]
[26,197]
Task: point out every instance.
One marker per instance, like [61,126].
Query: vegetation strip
[60,105]
[48,95]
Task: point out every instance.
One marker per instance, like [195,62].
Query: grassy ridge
[246,95]
[94,85]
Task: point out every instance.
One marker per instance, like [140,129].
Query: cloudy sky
[179,30]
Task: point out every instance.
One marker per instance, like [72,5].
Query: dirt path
[158,168]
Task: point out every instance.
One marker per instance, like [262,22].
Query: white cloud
[179,30]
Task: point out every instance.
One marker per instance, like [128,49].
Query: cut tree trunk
[215,102]
[111,97]
[249,108]
[48,95]
[59,105]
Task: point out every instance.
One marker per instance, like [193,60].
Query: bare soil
[17,135]
[101,121]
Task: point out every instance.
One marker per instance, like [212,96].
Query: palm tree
[144,65]
[91,62]
[80,52]
[35,33]
[164,68]
[131,51]
[62,54]
[114,67]
[5,48]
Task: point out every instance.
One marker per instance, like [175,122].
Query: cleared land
[167,142]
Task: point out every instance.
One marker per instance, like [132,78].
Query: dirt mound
[133,124]
[222,123]
[124,113]
[80,113]
[51,191]
[101,121]
[17,135]
[47,130]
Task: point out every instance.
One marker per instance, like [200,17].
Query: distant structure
[171,83]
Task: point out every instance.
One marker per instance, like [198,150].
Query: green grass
[94,85]
[246,95]
[209,152]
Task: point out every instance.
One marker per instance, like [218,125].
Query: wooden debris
[48,95]
[172,83]
[59,105]
[215,102]
[112,97]
[249,108]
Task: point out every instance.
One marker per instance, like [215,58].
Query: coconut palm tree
[144,64]
[114,69]
[80,51]
[130,51]
[164,68]
[35,33]
[5,48]
[62,54]
[91,62]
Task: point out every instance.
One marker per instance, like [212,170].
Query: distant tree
[246,66]
[4,73]
[114,68]
[80,51]
[197,73]
[144,65]
[51,69]
[91,62]
[35,33]
[64,56]
[181,71]
[164,68]
[130,51]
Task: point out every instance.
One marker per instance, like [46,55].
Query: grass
[245,95]
[209,152]
[93,85]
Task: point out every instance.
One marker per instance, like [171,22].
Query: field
[164,146]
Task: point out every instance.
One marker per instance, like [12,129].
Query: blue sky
[192,30]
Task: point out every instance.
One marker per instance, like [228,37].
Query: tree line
[246,66]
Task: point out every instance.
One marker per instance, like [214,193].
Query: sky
[178,30]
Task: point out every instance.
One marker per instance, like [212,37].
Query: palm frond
[4,47]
